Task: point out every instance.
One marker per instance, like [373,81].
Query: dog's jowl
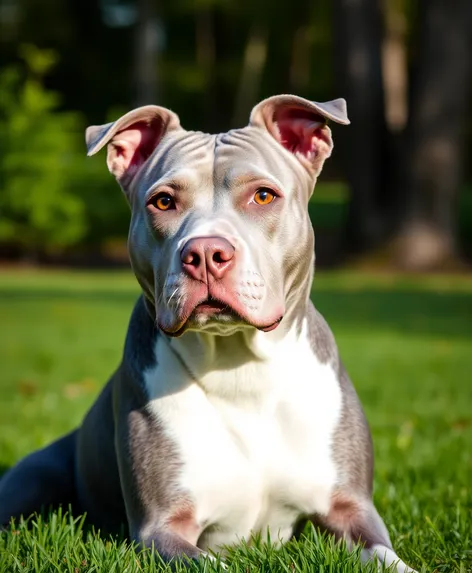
[231,412]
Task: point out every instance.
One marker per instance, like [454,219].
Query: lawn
[406,343]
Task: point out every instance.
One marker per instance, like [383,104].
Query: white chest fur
[257,453]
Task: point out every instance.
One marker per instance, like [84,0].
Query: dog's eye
[162,202]
[264,196]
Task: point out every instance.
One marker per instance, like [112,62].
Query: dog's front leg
[159,512]
[355,519]
[169,544]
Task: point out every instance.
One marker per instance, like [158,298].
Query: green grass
[406,343]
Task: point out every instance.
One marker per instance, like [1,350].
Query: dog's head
[220,236]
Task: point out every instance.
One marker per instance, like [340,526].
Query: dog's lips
[272,326]
[216,308]
[210,307]
[215,302]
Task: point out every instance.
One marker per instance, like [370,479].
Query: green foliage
[405,342]
[39,147]
[199,68]
[51,197]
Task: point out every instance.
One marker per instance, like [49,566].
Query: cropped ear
[300,126]
[131,139]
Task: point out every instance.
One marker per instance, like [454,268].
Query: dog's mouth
[272,326]
[211,307]
[216,310]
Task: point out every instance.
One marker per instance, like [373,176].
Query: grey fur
[42,479]
[118,436]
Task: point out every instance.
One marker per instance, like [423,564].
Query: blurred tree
[255,56]
[366,145]
[441,83]
[205,53]
[51,196]
[405,183]
[211,60]
[38,148]
[147,46]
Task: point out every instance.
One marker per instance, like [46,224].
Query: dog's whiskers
[171,296]
[160,298]
[180,299]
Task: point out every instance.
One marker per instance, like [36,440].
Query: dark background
[397,191]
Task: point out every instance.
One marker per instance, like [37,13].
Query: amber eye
[162,201]
[264,196]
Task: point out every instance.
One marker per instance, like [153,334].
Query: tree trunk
[255,56]
[433,156]
[394,67]
[302,47]
[365,143]
[147,47]
[206,60]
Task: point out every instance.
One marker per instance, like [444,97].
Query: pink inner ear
[301,131]
[133,146]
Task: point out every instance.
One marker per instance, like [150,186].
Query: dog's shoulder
[352,443]
[139,351]
[321,337]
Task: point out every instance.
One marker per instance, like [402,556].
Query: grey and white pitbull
[231,412]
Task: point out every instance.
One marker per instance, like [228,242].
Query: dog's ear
[131,139]
[300,126]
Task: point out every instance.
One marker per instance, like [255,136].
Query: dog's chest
[255,458]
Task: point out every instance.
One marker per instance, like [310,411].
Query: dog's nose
[202,255]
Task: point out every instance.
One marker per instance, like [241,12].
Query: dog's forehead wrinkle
[184,162]
[214,163]
[239,174]
[179,178]
[252,149]
[246,144]
[186,150]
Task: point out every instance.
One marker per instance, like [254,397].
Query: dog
[231,412]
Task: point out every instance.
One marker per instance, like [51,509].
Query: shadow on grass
[83,295]
[412,311]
